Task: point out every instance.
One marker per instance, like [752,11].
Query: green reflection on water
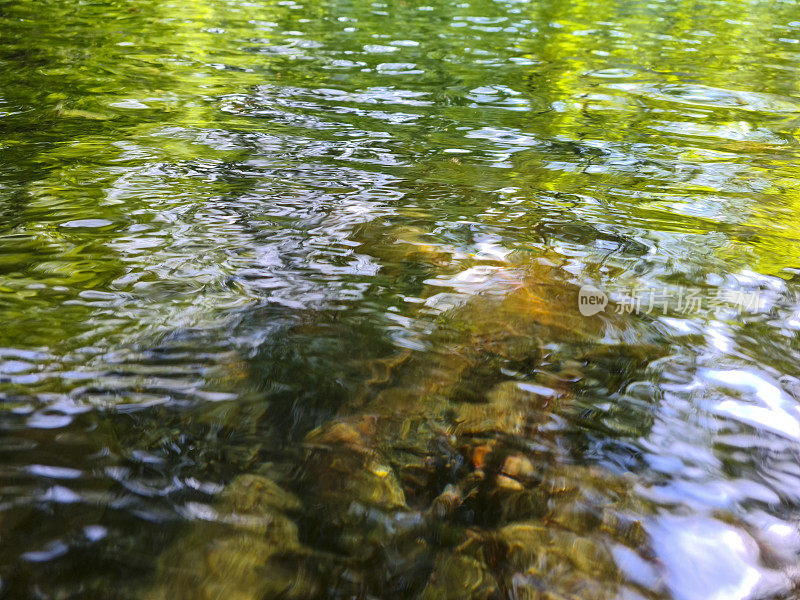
[306,237]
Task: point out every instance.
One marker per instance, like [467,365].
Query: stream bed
[436,299]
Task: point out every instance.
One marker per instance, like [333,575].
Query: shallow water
[332,252]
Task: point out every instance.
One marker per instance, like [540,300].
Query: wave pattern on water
[244,245]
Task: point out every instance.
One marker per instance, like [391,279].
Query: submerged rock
[444,477]
[457,577]
[248,549]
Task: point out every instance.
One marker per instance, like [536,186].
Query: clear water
[289,299]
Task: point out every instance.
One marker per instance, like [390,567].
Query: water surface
[316,263]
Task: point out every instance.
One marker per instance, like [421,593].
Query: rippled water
[289,299]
